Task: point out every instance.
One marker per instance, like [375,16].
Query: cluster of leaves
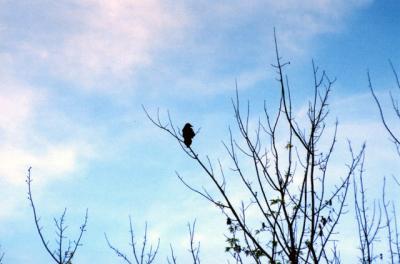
[234,246]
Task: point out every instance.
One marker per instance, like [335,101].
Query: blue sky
[74,75]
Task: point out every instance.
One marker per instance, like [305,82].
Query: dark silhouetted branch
[294,211]
[369,223]
[59,255]
[393,136]
[144,255]
[194,249]
[173,257]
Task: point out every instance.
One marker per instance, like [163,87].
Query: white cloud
[24,144]
[51,162]
[21,144]
[17,106]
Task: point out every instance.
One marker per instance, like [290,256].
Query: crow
[188,134]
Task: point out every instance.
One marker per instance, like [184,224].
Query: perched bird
[188,134]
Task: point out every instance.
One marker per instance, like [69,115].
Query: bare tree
[369,221]
[390,217]
[391,227]
[294,211]
[141,255]
[63,252]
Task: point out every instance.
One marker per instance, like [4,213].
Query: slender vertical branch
[143,255]
[59,255]
[37,219]
[388,224]
[194,249]
[368,223]
[173,257]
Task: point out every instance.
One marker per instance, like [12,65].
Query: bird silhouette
[188,134]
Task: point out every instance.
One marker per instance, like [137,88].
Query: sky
[75,74]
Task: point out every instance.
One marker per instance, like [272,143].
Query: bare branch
[389,130]
[59,255]
[1,256]
[143,255]
[194,249]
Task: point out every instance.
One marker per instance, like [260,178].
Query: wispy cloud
[90,42]
[104,45]
[23,143]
